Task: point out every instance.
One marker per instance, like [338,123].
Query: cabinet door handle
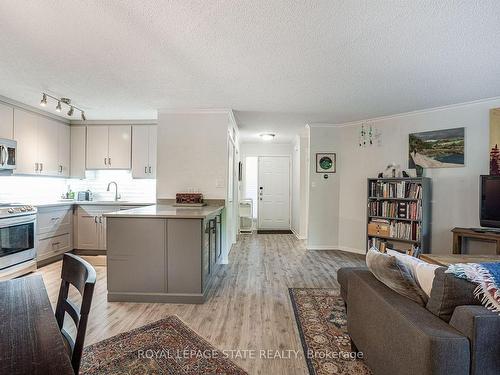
[149,169]
[36,167]
[105,161]
[41,167]
[60,169]
[95,219]
[109,161]
[100,219]
[145,169]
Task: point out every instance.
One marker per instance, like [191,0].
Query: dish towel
[486,275]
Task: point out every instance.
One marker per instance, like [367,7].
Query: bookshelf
[399,214]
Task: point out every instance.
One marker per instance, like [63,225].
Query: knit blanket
[486,275]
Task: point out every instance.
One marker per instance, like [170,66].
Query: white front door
[274,192]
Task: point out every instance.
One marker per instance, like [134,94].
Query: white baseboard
[299,237]
[351,250]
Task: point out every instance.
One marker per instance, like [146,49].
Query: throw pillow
[449,292]
[421,271]
[395,275]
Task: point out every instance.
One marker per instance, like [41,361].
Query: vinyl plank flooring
[248,310]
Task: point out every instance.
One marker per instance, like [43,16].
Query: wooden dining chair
[81,275]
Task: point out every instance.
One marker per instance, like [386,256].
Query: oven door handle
[2,154]
[12,221]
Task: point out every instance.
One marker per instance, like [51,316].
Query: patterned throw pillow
[395,275]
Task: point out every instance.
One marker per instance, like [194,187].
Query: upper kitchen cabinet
[42,145]
[109,147]
[77,169]
[6,121]
[144,151]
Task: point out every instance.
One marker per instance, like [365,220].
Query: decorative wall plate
[325,162]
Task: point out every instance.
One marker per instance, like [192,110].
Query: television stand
[482,234]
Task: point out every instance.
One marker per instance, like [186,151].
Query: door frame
[289,187]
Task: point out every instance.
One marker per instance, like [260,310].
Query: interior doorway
[273,193]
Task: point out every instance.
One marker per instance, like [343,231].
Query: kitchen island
[163,253]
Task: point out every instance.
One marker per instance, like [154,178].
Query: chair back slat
[80,274]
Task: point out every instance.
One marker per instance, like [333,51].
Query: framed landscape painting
[437,149]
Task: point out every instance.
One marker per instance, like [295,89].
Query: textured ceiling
[278,63]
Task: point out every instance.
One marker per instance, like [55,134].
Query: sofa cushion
[396,275]
[449,292]
[343,275]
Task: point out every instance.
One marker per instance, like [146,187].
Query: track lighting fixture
[61,101]
[43,102]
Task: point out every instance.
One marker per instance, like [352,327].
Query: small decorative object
[189,199]
[437,149]
[381,175]
[419,170]
[367,135]
[392,170]
[325,162]
[406,175]
[362,137]
[495,161]
[325,176]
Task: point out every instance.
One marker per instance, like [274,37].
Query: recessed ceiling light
[267,136]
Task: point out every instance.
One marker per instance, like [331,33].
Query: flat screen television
[490,201]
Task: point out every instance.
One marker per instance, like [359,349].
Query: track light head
[43,102]
[83,116]
[70,112]
[58,106]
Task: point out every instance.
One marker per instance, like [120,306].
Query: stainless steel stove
[17,240]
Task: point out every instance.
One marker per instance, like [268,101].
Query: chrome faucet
[117,196]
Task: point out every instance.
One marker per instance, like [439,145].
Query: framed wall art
[325,162]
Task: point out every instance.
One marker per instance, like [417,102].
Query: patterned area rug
[167,346]
[322,324]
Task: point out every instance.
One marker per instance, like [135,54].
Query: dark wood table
[446,260]
[30,340]
[460,233]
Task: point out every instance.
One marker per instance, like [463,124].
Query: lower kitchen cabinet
[54,231]
[171,259]
[90,228]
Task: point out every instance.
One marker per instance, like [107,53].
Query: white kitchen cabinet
[42,144]
[97,147]
[108,147]
[120,147]
[144,151]
[47,146]
[54,231]
[63,150]
[6,121]
[78,136]
[25,133]
[90,231]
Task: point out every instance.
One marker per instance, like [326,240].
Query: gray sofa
[397,336]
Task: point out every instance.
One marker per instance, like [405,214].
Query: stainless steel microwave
[7,154]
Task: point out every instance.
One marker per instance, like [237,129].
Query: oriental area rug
[322,324]
[167,346]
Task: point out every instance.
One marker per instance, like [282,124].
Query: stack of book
[400,189]
[397,210]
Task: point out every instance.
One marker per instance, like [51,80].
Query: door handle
[100,219]
[149,169]
[95,219]
[109,161]
[145,169]
[105,161]
[60,169]
[2,162]
[41,167]
[36,167]
[6,156]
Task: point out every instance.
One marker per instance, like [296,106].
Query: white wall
[323,215]
[192,154]
[300,171]
[455,199]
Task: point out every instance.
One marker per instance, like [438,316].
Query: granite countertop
[165,211]
[70,202]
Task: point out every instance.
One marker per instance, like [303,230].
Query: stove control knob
[23,209]
[10,210]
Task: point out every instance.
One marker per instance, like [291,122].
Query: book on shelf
[399,189]
[383,245]
[396,210]
[400,230]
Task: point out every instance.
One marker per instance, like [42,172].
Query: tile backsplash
[30,189]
